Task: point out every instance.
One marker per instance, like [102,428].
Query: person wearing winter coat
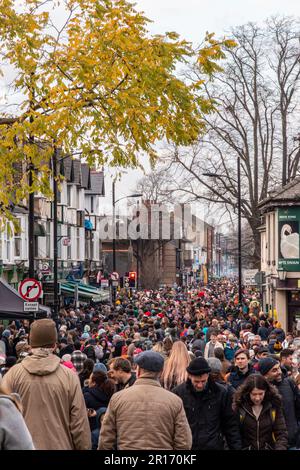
[99,391]
[14,434]
[242,368]
[145,416]
[208,408]
[259,409]
[54,408]
[211,345]
[290,394]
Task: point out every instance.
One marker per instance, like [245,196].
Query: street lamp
[238,182]
[281,274]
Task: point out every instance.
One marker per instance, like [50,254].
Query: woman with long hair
[88,366]
[97,395]
[14,434]
[174,372]
[259,409]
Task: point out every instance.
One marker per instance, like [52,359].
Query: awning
[85,292]
[12,305]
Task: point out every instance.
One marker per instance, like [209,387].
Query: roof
[67,168]
[86,176]
[77,172]
[97,184]
[280,196]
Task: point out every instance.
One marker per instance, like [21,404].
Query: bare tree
[256,114]
[155,187]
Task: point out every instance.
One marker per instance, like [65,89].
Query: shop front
[293,308]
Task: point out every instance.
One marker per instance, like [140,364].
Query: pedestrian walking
[50,394]
[145,416]
[208,408]
[259,409]
[174,371]
[242,368]
[288,390]
[14,434]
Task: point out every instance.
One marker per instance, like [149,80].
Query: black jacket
[95,398]
[263,333]
[291,408]
[236,378]
[264,433]
[68,349]
[210,416]
[129,383]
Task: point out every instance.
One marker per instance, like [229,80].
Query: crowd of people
[171,369]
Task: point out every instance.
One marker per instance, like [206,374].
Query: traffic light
[132,279]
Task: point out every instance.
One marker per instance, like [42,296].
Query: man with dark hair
[286,360]
[120,372]
[208,408]
[242,368]
[259,353]
[145,416]
[271,370]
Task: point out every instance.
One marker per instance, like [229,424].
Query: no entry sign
[30,289]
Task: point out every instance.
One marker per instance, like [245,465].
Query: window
[69,195]
[18,239]
[7,243]
[78,239]
[69,252]
[92,204]
[88,238]
[58,196]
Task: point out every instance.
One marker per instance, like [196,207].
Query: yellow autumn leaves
[98,83]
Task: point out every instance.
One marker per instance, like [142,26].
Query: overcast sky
[191,19]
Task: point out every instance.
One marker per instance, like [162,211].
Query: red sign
[30,289]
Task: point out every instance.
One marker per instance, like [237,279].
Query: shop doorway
[294,311]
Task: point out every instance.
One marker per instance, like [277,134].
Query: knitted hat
[266,364]
[100,367]
[198,366]
[6,334]
[43,333]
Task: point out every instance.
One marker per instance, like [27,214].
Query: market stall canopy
[85,292]
[12,305]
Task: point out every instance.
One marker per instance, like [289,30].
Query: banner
[288,239]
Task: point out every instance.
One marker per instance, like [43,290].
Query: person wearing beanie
[50,393]
[135,415]
[290,394]
[208,407]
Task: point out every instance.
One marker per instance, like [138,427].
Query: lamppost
[238,182]
[114,202]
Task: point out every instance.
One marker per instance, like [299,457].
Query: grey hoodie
[14,434]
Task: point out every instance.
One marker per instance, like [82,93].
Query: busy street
[191,368]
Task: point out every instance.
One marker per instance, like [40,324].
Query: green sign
[288,239]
